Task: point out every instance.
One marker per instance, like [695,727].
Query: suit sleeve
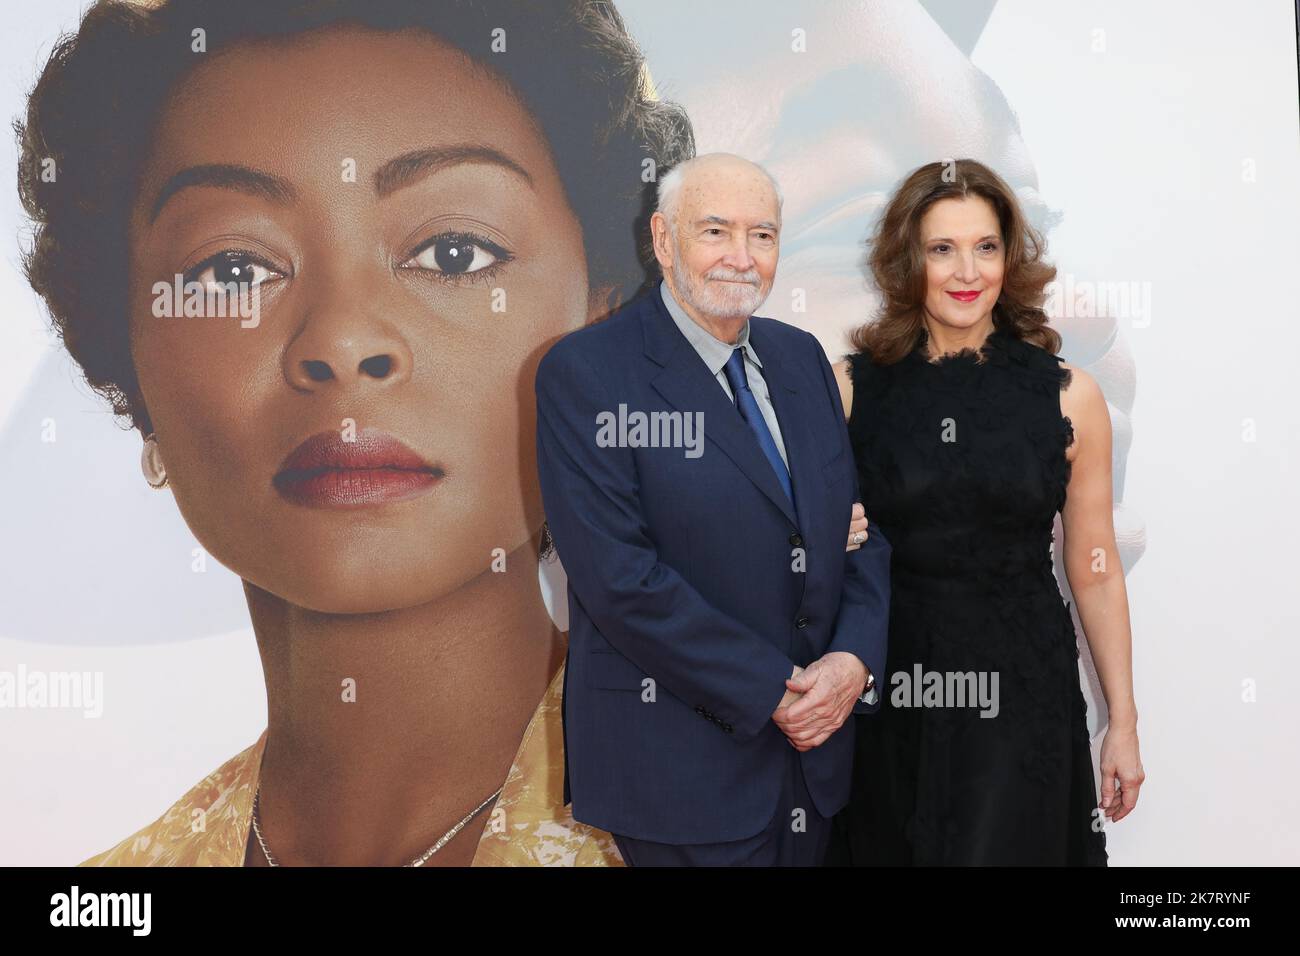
[862,625]
[646,610]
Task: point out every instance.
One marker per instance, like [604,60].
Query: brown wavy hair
[898,266]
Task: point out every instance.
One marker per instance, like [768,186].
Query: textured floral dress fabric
[962,465]
[529,824]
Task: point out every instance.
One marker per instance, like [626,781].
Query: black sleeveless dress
[962,465]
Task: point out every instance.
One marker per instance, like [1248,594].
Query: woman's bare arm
[1096,577]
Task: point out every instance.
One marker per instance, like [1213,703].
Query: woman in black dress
[970,434]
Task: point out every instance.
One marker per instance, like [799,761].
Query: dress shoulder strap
[1039,369]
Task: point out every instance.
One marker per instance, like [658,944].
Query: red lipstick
[970,296]
[327,472]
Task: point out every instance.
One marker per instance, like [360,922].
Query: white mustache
[751,276]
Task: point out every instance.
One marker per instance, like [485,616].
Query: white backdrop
[1156,142]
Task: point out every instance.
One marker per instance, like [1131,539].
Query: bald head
[712,173]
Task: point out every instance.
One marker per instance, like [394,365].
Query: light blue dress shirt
[715,354]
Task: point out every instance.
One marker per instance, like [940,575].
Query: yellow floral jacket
[538,828]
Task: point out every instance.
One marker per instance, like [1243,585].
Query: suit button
[699,710]
[801,623]
[796,539]
[727,727]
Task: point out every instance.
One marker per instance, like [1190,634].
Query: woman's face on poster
[413,254]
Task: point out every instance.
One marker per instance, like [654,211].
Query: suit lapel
[686,384]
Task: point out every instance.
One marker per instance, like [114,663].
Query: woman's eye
[990,247]
[231,266]
[939,249]
[457,255]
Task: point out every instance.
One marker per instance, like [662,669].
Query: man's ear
[659,236]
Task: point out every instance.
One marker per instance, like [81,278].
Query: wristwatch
[868,695]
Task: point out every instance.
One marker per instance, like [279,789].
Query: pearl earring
[151,463]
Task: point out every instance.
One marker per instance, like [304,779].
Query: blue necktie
[749,411]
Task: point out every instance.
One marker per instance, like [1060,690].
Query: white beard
[736,299]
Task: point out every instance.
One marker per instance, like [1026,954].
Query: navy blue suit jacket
[694,585]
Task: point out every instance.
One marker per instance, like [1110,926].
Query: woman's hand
[1119,759]
[857,527]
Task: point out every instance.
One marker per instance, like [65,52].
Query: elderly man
[698,481]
